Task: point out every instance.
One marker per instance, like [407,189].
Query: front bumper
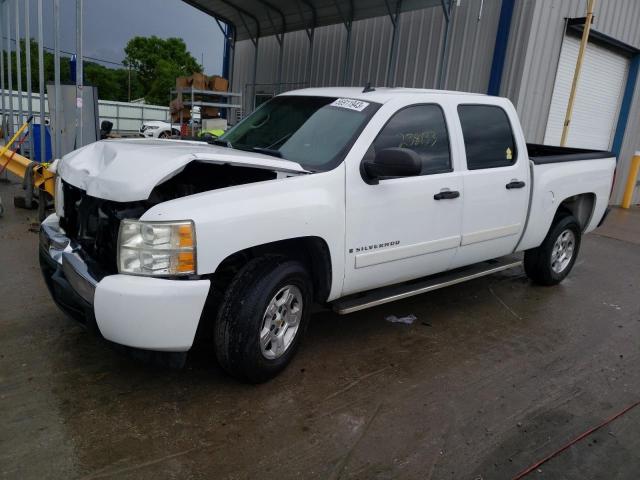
[148,133]
[140,312]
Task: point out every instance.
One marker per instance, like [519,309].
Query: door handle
[446,194]
[515,184]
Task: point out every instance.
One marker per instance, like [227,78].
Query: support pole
[79,75]
[27,53]
[280,62]
[4,105]
[280,39]
[347,20]
[393,51]
[576,73]
[311,33]
[10,70]
[19,64]
[56,79]
[347,54]
[43,128]
[255,74]
[447,7]
[631,181]
[232,55]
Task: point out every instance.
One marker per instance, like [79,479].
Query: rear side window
[420,128]
[488,138]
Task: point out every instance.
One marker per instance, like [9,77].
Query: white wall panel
[598,97]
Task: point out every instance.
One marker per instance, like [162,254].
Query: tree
[157,62]
[153,65]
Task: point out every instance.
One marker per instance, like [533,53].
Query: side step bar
[379,296]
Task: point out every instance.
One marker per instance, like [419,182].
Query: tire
[242,319]
[165,135]
[546,265]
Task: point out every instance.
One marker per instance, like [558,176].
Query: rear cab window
[488,137]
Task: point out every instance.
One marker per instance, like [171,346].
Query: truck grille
[93,223]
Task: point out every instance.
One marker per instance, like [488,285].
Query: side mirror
[392,163]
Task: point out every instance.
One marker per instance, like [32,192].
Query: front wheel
[552,261]
[262,318]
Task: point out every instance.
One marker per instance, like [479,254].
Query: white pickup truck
[339,196]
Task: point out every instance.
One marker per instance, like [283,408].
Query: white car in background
[159,129]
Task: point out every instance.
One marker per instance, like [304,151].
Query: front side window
[316,132]
[488,138]
[420,128]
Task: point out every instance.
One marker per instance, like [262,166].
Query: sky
[109,24]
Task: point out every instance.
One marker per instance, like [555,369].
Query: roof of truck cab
[379,95]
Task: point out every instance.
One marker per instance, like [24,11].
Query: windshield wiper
[221,143]
[268,151]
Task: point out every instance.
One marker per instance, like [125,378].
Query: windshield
[316,132]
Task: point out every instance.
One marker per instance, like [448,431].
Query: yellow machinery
[35,175]
[42,179]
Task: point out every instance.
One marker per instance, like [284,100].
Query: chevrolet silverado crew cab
[337,196]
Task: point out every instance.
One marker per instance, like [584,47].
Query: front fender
[236,218]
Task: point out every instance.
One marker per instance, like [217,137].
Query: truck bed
[541,154]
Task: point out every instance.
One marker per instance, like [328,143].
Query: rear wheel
[552,261]
[166,134]
[262,318]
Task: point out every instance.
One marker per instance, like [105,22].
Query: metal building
[522,49]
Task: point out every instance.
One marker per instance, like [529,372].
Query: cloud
[108,26]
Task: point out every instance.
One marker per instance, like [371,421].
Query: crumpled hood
[128,170]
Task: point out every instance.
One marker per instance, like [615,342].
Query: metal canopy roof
[252,19]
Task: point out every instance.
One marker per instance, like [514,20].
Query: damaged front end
[93,223]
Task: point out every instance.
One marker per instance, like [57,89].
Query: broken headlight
[157,248]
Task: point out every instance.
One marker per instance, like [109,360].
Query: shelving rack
[193,97]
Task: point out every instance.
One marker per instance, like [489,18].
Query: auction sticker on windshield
[350,104]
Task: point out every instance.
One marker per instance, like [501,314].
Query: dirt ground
[493,375]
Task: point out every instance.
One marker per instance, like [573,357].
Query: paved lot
[494,375]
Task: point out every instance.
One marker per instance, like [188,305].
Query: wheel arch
[581,206]
[313,251]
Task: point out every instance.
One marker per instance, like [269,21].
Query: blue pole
[625,106]
[73,67]
[500,49]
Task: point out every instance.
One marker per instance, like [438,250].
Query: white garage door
[597,103]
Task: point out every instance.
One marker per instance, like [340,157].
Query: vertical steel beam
[254,76]
[10,70]
[43,151]
[347,20]
[255,41]
[232,56]
[79,75]
[447,7]
[2,32]
[346,67]
[56,79]
[311,33]
[393,51]
[280,63]
[279,38]
[27,53]
[19,64]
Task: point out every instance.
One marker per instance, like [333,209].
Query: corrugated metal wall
[536,35]
[472,38]
[532,89]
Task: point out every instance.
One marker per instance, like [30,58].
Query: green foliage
[157,63]
[152,67]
